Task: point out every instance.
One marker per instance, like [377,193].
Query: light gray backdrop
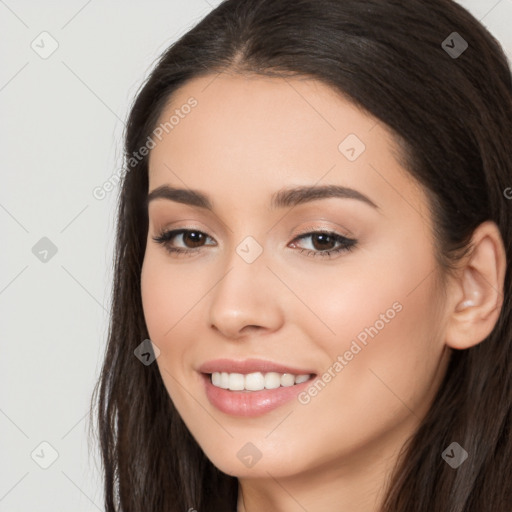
[69,71]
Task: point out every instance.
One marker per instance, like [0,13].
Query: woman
[314,231]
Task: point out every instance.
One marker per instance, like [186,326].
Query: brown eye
[323,241]
[193,238]
[189,241]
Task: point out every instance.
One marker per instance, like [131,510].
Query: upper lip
[249,366]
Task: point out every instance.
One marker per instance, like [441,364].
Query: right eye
[193,240]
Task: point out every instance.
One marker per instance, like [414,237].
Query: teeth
[272,380]
[287,379]
[236,382]
[256,381]
[216,379]
[301,378]
[221,380]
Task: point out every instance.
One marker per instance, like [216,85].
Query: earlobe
[478,294]
[465,304]
[472,293]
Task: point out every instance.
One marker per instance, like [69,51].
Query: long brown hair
[452,115]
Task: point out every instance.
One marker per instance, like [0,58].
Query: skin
[247,138]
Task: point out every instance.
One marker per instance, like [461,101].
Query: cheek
[158,301]
[338,305]
[384,340]
[169,296]
[385,387]
[386,298]
[173,300]
[384,359]
[168,299]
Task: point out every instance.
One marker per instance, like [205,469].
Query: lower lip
[251,403]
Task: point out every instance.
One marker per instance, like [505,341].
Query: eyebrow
[280,199]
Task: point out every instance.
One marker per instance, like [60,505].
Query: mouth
[257,381]
[252,387]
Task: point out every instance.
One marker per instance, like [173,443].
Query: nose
[246,300]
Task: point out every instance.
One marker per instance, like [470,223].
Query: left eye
[322,243]
[193,240]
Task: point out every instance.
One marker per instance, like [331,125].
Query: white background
[61,136]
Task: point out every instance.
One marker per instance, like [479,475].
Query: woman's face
[265,301]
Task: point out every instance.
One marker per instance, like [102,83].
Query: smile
[256,381]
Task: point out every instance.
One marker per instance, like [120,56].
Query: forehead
[241,115]
[256,134]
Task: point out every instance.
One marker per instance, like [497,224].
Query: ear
[476,296]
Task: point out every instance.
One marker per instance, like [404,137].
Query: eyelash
[347,244]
